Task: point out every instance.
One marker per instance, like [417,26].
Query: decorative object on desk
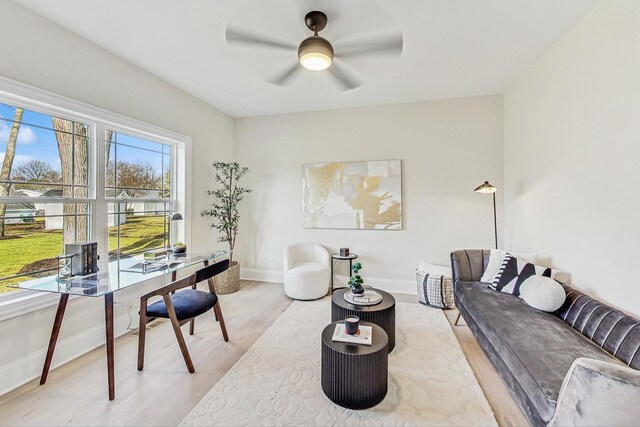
[363,335]
[151,266]
[356,281]
[353,195]
[179,248]
[64,266]
[434,285]
[85,259]
[344,251]
[351,324]
[172,216]
[487,188]
[368,297]
[225,218]
[155,254]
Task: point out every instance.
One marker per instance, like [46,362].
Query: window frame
[173,200]
[29,97]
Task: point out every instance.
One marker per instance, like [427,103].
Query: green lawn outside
[25,244]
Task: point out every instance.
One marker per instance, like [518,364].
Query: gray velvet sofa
[548,360]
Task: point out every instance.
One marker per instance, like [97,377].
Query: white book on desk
[363,336]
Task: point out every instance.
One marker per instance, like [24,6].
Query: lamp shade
[174,216]
[485,188]
[315,53]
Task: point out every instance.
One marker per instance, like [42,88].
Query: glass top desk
[121,274]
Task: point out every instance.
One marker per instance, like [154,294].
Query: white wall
[37,52]
[572,148]
[447,149]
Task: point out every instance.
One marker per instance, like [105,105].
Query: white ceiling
[452,48]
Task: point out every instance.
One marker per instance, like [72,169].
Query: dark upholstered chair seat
[538,348]
[187,303]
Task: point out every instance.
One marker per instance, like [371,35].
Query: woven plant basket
[228,281]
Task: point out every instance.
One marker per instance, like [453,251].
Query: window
[44,184]
[76,173]
[139,193]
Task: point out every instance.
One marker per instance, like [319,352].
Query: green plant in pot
[225,218]
[355,281]
[179,248]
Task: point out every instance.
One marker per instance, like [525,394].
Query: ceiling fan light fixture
[315,53]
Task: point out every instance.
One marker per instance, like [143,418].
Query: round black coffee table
[382,314]
[355,376]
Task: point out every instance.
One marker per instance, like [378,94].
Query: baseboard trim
[261,275]
[389,285]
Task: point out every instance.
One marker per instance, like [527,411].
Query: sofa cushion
[537,347]
[513,272]
[542,293]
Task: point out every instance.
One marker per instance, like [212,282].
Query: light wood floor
[162,394]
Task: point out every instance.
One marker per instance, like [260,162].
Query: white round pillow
[542,293]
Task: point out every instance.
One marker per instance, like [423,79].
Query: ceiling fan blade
[285,77]
[390,46]
[346,81]
[235,36]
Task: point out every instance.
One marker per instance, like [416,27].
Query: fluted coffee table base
[382,314]
[353,375]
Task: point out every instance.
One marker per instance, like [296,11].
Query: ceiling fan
[316,53]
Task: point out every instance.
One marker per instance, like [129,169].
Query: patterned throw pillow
[435,290]
[513,272]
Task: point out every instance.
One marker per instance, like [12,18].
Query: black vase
[358,290]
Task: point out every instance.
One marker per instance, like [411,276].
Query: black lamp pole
[495,219]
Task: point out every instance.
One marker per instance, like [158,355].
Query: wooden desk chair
[182,307]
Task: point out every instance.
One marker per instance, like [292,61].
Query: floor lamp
[487,188]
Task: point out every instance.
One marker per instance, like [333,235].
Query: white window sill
[22,302]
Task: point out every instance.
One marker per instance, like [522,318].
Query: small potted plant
[179,248]
[356,281]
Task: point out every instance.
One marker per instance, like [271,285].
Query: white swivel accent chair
[307,271]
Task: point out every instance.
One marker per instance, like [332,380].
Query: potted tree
[225,218]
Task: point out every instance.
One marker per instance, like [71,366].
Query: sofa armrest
[467,265]
[596,393]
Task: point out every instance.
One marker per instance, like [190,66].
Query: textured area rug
[277,382]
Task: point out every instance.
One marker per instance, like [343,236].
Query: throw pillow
[542,293]
[434,269]
[495,261]
[513,272]
[435,285]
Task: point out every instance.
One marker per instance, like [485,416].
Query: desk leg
[57,323]
[108,320]
[212,289]
[174,276]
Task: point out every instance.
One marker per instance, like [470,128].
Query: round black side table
[382,314]
[355,376]
[338,257]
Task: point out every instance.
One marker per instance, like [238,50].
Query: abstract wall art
[353,195]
